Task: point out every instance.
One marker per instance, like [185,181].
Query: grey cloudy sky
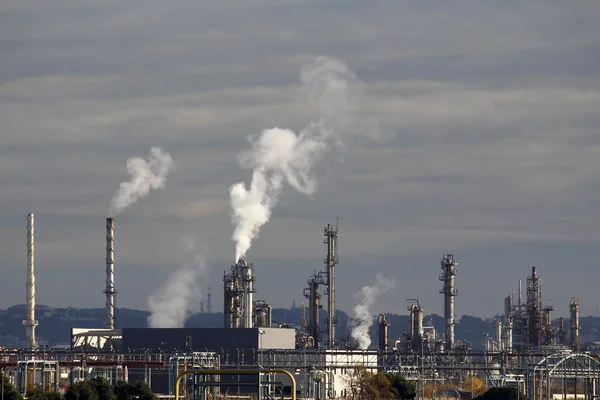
[488,115]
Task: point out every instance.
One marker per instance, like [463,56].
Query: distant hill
[55,324]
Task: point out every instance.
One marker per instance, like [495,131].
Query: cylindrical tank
[439,346]
[418,316]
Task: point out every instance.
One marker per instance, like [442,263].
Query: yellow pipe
[233,372]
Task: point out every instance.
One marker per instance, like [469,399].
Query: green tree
[137,390]
[37,393]
[9,392]
[401,388]
[93,389]
[502,393]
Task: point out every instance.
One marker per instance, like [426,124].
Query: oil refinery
[249,354]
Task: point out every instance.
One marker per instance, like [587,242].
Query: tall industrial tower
[238,289]
[574,308]
[110,273]
[449,291]
[30,322]
[331,234]
[534,308]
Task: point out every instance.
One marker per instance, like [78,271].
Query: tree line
[92,389]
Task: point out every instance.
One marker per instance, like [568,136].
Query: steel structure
[110,273]
[262,314]
[331,235]
[238,289]
[314,307]
[575,371]
[448,265]
[30,322]
[534,308]
[574,311]
[538,370]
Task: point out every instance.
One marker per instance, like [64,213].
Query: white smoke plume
[180,296]
[145,175]
[278,156]
[363,315]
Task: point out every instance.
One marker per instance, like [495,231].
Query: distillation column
[534,308]
[331,234]
[110,273]
[448,265]
[313,296]
[248,290]
[30,322]
[574,308]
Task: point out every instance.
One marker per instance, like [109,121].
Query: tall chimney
[110,273]
[30,322]
[574,308]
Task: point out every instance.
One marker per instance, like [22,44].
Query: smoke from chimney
[278,156]
[145,175]
[181,295]
[363,314]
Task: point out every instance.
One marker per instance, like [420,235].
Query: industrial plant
[252,355]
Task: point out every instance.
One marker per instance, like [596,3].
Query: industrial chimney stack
[110,273]
[30,322]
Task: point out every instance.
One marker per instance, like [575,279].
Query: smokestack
[110,273]
[30,322]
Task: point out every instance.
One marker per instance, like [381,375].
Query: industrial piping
[110,273]
[30,322]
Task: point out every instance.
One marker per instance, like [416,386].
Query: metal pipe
[235,372]
[30,322]
[110,273]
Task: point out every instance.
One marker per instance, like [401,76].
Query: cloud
[488,114]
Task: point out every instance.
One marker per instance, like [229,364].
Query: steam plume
[145,175]
[278,156]
[363,315]
[180,296]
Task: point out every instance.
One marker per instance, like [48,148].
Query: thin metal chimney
[30,322]
[110,273]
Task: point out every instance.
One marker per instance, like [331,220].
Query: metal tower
[574,308]
[534,308]
[331,234]
[30,322]
[448,265]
